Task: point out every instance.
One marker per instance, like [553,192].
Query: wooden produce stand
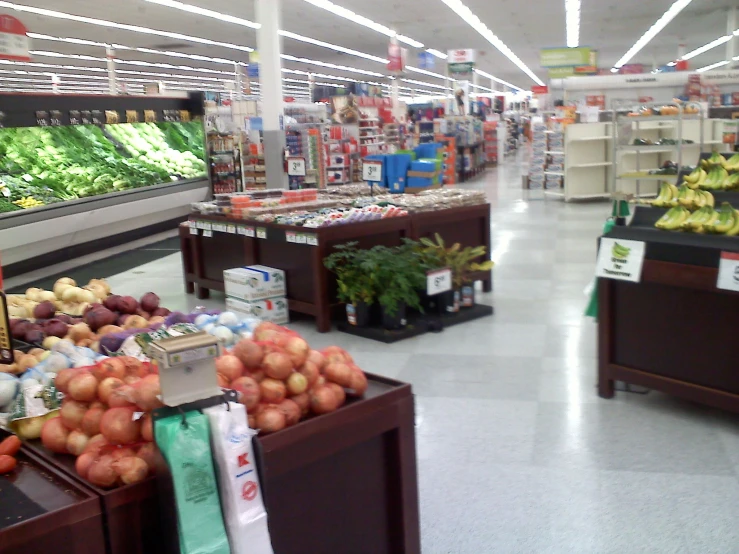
[63,517]
[212,244]
[674,331]
[341,482]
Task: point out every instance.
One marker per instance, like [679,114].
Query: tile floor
[516,452]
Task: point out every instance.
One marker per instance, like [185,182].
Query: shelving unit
[630,161]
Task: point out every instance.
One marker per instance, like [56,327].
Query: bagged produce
[185,443]
[238,480]
[29,410]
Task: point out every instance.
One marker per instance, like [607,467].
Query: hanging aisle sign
[461,62]
[14,41]
[396,58]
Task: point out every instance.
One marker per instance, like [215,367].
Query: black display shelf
[418,324]
[678,247]
[21,110]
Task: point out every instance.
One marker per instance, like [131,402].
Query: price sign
[296,167]
[312,240]
[231,229]
[290,237]
[207,233]
[193,230]
[728,271]
[620,259]
[261,233]
[372,171]
[438,281]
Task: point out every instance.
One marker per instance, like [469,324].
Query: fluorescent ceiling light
[572,18]
[471,19]
[364,21]
[424,72]
[330,46]
[672,64]
[706,47]
[204,12]
[614,70]
[46,54]
[122,26]
[501,81]
[411,81]
[331,65]
[712,66]
[437,53]
[652,32]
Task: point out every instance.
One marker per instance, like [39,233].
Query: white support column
[270,78]
[110,56]
[732,22]
[473,91]
[311,85]
[394,91]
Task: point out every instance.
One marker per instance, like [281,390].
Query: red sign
[537,89]
[395,58]
[289,99]
[249,491]
[14,43]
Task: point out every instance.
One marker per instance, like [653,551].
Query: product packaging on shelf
[238,480]
[256,282]
[274,310]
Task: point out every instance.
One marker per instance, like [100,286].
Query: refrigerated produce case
[81,173]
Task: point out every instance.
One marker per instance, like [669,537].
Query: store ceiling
[607,25]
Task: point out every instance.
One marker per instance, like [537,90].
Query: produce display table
[342,482]
[218,243]
[49,510]
[674,331]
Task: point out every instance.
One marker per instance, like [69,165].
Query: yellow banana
[734,231]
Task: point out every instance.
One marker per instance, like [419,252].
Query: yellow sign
[6,339]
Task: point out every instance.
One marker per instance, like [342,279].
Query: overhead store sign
[563,57]
[426,60]
[14,41]
[396,58]
[461,61]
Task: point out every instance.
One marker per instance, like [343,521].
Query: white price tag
[193,230]
[300,239]
[261,233]
[249,231]
[620,259]
[290,237]
[438,281]
[372,171]
[296,167]
[231,229]
[311,240]
[208,233]
[728,271]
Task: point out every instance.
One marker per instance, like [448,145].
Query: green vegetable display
[43,165]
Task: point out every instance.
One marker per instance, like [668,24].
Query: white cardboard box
[271,309]
[254,282]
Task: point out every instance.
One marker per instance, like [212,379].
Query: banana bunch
[673,219]
[666,198]
[696,178]
[694,199]
[28,202]
[725,221]
[717,179]
[716,160]
[732,164]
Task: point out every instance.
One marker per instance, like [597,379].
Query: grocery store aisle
[516,452]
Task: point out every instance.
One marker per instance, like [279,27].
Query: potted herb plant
[356,285]
[462,263]
[399,276]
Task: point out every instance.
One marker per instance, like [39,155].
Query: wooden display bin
[299,251]
[341,482]
[674,331]
[131,514]
[71,521]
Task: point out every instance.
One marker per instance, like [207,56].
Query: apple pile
[280,380]
[101,421]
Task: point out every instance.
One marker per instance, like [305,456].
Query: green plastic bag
[186,448]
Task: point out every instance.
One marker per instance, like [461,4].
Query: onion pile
[101,423]
[281,380]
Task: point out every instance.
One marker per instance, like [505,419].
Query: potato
[26,361]
[71,294]
[102,283]
[12,368]
[60,288]
[18,312]
[46,295]
[32,294]
[98,290]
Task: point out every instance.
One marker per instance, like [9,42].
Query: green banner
[561,72]
[462,68]
[562,57]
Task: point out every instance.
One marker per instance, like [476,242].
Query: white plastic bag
[238,480]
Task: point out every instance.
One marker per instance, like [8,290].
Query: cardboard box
[274,310]
[254,282]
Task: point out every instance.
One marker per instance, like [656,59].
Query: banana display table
[675,330]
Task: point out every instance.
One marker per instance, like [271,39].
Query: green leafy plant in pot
[399,276]
[356,285]
[462,263]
